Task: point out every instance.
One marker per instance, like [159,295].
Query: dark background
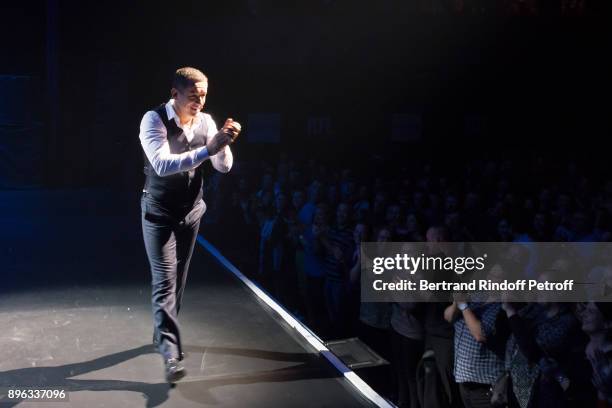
[78,76]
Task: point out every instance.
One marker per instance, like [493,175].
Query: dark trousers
[444,355]
[169,238]
[379,340]
[336,297]
[315,305]
[406,356]
[475,395]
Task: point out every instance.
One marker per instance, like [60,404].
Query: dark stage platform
[75,315]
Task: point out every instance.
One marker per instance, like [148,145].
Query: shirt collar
[172,115]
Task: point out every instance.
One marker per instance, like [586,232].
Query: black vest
[180,190]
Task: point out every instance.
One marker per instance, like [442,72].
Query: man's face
[320,216]
[504,229]
[191,100]
[592,320]
[359,234]
[298,199]
[342,214]
[280,202]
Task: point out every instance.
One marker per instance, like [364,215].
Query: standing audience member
[374,327]
[540,339]
[599,352]
[338,246]
[439,337]
[478,350]
[314,271]
[406,343]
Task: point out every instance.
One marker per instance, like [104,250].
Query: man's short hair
[186,77]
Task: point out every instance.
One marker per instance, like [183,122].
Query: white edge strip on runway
[314,341]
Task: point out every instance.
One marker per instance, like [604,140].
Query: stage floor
[76,315]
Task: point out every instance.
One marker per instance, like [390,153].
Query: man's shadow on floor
[309,366]
[60,377]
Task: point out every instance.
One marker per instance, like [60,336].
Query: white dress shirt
[154,141]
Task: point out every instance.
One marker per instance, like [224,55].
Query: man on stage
[177,138]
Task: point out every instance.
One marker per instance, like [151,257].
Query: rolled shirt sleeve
[154,141]
[223,160]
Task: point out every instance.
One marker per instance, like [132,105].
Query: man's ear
[174,93]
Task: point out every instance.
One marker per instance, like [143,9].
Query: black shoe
[174,370]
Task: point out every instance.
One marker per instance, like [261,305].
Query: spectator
[306,213]
[267,185]
[411,230]
[374,328]
[361,234]
[314,271]
[392,218]
[277,253]
[407,345]
[297,201]
[380,208]
[541,336]
[363,202]
[599,351]
[439,335]
[478,344]
[338,247]
[541,228]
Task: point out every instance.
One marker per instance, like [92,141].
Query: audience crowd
[297,227]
